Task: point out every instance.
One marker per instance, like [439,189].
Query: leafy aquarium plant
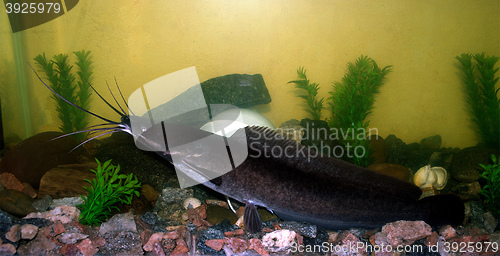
[62,81]
[491,191]
[484,106]
[352,100]
[314,105]
[107,188]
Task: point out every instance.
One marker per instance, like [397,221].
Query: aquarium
[222,127]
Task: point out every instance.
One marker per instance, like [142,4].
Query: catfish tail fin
[445,209]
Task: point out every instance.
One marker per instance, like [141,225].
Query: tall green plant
[479,79]
[314,105]
[351,101]
[62,81]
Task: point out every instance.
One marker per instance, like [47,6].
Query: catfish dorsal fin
[251,218]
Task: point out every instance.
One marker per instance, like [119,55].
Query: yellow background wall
[138,41]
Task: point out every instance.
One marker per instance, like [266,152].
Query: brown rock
[155,238]
[86,247]
[29,190]
[447,232]
[146,235]
[14,233]
[215,244]
[16,203]
[41,245]
[379,149]
[171,235]
[67,180]
[158,250]
[405,232]
[9,181]
[393,170]
[57,228]
[33,157]
[149,193]
[28,231]
[237,245]
[432,240]
[181,247]
[256,245]
[7,249]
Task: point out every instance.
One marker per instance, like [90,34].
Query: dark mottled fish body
[298,185]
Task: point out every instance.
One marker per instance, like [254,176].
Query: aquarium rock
[119,222]
[465,164]
[302,229]
[43,203]
[16,203]
[403,233]
[279,240]
[432,142]
[33,157]
[490,223]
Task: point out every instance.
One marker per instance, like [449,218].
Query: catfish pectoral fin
[251,218]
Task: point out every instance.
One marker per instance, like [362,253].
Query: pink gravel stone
[155,238]
[14,233]
[87,248]
[7,249]
[28,231]
[215,244]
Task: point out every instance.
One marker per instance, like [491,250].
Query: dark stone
[16,203]
[321,237]
[241,90]
[441,159]
[397,151]
[33,157]
[465,164]
[413,155]
[149,218]
[432,142]
[379,149]
[43,203]
[214,232]
[476,213]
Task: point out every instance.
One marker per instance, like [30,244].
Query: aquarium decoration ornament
[484,106]
[62,81]
[107,188]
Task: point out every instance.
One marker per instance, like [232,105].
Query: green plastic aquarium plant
[484,106]
[351,101]
[107,188]
[314,105]
[491,191]
[62,81]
